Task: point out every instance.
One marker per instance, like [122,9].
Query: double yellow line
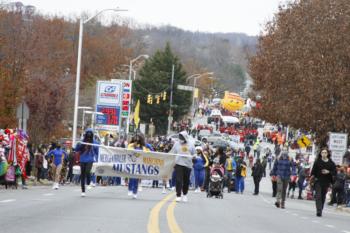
[153,222]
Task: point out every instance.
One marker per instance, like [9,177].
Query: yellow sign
[304,142]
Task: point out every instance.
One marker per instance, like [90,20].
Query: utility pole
[170,117]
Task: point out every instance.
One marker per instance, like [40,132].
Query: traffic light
[158,99]
[164,95]
[149,99]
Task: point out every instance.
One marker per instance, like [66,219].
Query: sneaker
[129,193]
[93,184]
[184,198]
[82,194]
[54,186]
[172,188]
[196,190]
[178,199]
[319,214]
[89,187]
[134,196]
[140,188]
[164,190]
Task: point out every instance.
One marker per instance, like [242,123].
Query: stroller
[216,181]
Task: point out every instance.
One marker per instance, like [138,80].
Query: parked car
[203,134]
[214,137]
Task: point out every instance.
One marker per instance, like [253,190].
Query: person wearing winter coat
[88,155]
[283,169]
[257,173]
[241,173]
[185,150]
[230,168]
[322,174]
[200,161]
[138,143]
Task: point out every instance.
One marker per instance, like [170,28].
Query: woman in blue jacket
[88,155]
[200,161]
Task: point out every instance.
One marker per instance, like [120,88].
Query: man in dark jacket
[257,173]
[283,168]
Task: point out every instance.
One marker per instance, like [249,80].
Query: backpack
[10,174]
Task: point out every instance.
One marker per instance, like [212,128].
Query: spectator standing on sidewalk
[322,174]
[283,169]
[39,161]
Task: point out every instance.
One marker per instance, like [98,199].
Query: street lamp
[134,60]
[196,76]
[77,81]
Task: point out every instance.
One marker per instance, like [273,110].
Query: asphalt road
[109,209]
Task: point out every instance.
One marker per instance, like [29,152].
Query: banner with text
[115,161]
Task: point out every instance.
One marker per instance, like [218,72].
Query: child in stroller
[216,180]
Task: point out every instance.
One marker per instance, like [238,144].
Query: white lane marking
[330,226]
[287,212]
[346,231]
[8,200]
[48,194]
[295,214]
[315,221]
[304,218]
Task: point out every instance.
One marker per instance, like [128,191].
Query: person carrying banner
[183,164]
[57,156]
[138,143]
[88,155]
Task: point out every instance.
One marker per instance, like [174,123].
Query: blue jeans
[239,184]
[199,177]
[133,185]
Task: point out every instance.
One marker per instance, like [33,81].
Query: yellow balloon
[232,102]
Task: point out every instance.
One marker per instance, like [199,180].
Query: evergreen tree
[155,80]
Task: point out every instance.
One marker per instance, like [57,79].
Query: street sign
[337,157]
[304,142]
[338,141]
[22,111]
[185,88]
[22,114]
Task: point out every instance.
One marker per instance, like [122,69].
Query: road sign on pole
[185,88]
[22,115]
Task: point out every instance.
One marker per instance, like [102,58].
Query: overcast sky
[246,16]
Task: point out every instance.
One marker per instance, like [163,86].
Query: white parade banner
[115,161]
